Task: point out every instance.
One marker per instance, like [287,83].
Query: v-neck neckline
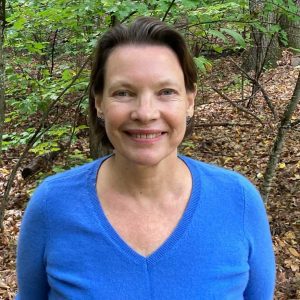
[169,242]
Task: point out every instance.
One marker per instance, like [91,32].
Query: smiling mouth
[145,135]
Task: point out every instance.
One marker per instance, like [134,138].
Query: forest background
[247,115]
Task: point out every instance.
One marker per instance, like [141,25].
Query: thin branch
[179,26]
[2,72]
[37,134]
[279,141]
[187,26]
[3,16]
[287,11]
[127,17]
[265,95]
[266,55]
[170,6]
[243,109]
[68,146]
[52,51]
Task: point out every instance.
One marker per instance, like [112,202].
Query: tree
[2,71]
[284,126]
[291,24]
[264,34]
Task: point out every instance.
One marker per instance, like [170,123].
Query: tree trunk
[279,141]
[292,28]
[2,72]
[265,49]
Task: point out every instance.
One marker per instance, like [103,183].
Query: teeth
[146,136]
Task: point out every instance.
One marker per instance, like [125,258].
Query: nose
[145,109]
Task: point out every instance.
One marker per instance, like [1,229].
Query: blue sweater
[221,248]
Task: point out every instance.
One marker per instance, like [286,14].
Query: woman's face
[144,103]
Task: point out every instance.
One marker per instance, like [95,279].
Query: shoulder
[229,185]
[225,186]
[231,193]
[58,195]
[66,185]
[75,173]
[217,174]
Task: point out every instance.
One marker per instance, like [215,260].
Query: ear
[98,106]
[191,101]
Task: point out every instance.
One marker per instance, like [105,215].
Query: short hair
[143,31]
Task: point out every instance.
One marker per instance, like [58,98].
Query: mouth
[145,135]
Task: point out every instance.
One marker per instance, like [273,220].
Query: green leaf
[275,28]
[295,49]
[190,4]
[217,34]
[237,37]
[19,23]
[80,127]
[58,169]
[38,46]
[218,49]
[203,64]
[66,75]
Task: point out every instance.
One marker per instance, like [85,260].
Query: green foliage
[296,50]
[51,139]
[77,158]
[15,139]
[203,64]
[237,37]
[48,41]
[188,144]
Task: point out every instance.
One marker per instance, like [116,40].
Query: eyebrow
[126,84]
[168,82]
[120,83]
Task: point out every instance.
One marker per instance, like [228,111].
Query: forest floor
[240,143]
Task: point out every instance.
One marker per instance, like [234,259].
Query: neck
[145,183]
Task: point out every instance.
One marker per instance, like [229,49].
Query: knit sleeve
[31,273]
[261,256]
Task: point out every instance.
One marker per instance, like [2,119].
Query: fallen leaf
[295,268]
[3,285]
[290,235]
[259,175]
[4,171]
[294,252]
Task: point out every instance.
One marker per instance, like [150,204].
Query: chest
[90,262]
[144,229]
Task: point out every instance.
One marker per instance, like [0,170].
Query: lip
[145,136]
[144,131]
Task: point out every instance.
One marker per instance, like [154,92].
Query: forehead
[151,61]
[142,49]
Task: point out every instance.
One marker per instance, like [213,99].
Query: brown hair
[144,30]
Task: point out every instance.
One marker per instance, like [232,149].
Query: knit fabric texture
[220,249]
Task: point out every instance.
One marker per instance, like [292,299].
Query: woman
[145,223]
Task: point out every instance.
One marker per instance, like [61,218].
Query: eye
[167,92]
[122,93]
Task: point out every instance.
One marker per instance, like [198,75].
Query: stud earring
[188,120]
[101,120]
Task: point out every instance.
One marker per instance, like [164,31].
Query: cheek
[114,112]
[176,113]
[115,118]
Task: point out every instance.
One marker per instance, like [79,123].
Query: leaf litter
[242,145]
